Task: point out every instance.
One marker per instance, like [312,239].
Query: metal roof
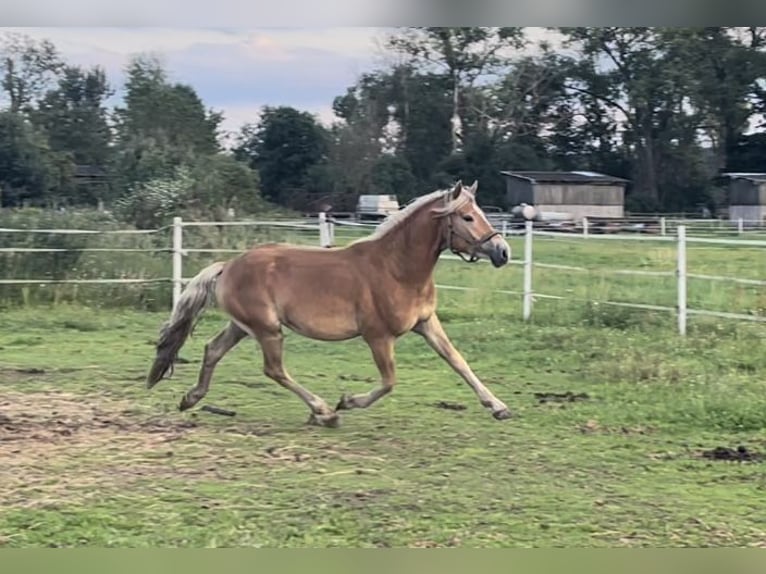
[752,176]
[82,170]
[564,177]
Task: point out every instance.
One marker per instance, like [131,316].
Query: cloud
[200,13]
[236,71]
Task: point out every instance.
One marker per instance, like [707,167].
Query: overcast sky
[236,71]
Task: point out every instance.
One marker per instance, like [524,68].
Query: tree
[641,79]
[73,116]
[462,55]
[284,147]
[28,168]
[222,182]
[161,127]
[728,66]
[27,67]
[171,114]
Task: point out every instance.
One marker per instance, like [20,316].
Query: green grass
[92,458]
[600,256]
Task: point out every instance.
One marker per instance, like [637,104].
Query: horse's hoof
[344,403]
[331,420]
[186,403]
[502,414]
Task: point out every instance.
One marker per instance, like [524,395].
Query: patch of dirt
[32,418]
[20,374]
[53,444]
[218,411]
[359,498]
[739,454]
[60,447]
[356,378]
[451,543]
[450,406]
[593,426]
[11,375]
[566,397]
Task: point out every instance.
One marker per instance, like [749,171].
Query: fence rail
[324,228]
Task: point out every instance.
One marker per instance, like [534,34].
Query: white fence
[325,230]
[647,224]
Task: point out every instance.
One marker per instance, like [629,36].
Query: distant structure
[567,194]
[89,174]
[525,211]
[747,197]
[376,207]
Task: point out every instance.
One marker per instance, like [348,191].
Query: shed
[577,194]
[747,197]
[84,173]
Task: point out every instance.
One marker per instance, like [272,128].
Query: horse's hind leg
[383,353]
[215,349]
[273,367]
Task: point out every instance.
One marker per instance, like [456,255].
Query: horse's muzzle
[499,253]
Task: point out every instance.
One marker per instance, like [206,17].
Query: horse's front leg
[432,331]
[383,353]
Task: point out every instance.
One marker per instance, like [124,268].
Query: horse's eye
[468,218]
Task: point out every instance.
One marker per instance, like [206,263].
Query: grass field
[613,413]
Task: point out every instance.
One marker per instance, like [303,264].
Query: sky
[233,71]
[236,71]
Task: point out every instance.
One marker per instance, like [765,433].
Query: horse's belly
[326,318]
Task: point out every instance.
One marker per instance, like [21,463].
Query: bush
[152,204]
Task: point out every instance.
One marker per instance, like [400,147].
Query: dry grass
[52,443]
[59,446]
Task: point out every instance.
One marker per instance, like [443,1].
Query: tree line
[666,108]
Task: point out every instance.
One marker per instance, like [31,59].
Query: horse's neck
[413,248]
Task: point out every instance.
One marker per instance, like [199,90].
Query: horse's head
[468,232]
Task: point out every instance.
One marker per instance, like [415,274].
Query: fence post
[527,310]
[320,222]
[740,226]
[324,235]
[585,226]
[663,230]
[178,234]
[681,275]
[505,227]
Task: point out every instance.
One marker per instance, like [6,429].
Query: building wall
[747,192]
[578,200]
[578,211]
[750,214]
[579,194]
[518,191]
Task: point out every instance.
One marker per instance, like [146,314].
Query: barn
[747,197]
[567,194]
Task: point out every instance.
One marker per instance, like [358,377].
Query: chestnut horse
[378,288]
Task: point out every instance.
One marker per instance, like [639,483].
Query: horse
[379,288]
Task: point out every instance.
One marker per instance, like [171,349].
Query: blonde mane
[395,220]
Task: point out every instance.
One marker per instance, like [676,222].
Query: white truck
[376,207]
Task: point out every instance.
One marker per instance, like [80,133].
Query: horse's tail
[199,293]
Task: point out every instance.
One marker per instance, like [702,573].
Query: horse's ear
[474,186]
[457,190]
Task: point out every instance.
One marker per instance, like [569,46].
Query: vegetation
[606,448]
[600,257]
[666,108]
[624,434]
